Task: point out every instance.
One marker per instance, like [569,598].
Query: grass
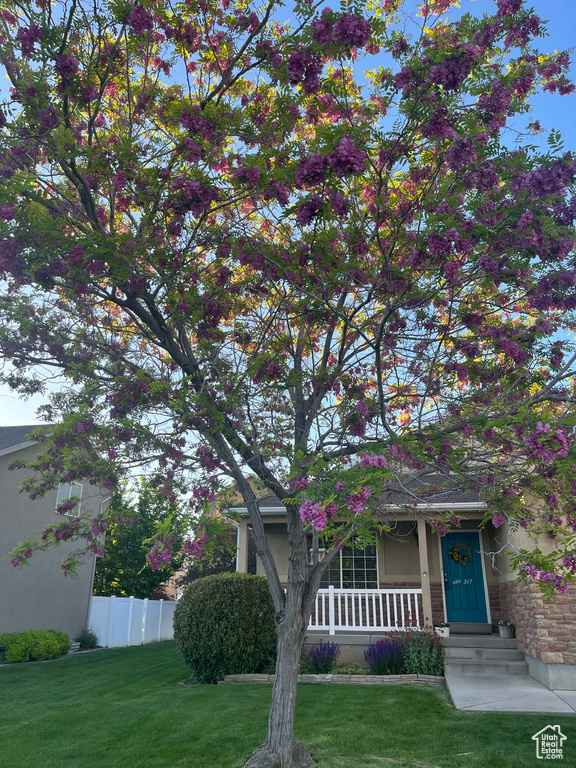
[128,708]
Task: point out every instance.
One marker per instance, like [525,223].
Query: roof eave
[14,448]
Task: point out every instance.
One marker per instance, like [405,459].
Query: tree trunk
[281,749]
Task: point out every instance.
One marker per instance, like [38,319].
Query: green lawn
[128,708]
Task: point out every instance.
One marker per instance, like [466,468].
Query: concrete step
[466,667]
[470,628]
[483,654]
[477,641]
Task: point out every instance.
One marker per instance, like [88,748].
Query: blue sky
[552,111]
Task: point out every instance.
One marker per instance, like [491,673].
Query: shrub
[63,642]
[87,639]
[385,657]
[44,645]
[224,625]
[34,645]
[423,652]
[349,668]
[321,659]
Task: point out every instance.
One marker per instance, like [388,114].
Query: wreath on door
[462,558]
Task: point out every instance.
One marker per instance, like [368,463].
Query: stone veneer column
[545,631]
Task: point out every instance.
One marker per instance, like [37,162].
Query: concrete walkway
[507,693]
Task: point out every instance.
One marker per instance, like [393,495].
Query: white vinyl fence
[119,621]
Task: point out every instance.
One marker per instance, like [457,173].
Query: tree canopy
[124,569]
[249,257]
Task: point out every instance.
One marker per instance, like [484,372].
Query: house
[414,576]
[38,596]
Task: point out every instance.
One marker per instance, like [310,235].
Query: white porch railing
[365,610]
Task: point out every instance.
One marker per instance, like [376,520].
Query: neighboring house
[38,596]
[417,577]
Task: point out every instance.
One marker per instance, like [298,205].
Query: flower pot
[506,631]
[442,631]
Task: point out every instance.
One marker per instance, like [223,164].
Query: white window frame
[338,560]
[67,491]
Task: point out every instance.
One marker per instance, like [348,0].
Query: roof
[435,489]
[14,438]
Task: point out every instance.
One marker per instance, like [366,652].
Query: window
[352,568]
[69,492]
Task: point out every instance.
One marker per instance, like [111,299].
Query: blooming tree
[248,258]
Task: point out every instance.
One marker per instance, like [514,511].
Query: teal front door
[463,578]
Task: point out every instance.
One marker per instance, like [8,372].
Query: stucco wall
[38,596]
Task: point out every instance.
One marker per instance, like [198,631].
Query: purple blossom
[160,556]
[27,37]
[367,460]
[7,212]
[461,153]
[280,192]
[312,513]
[203,493]
[140,20]
[439,526]
[89,93]
[546,180]
[206,458]
[498,519]
[338,205]
[452,72]
[346,158]
[357,502]
[304,67]
[253,175]
[438,126]
[322,28]
[196,548]
[119,181]
[309,210]
[405,79]
[438,245]
[451,270]
[508,7]
[66,66]
[48,118]
[197,124]
[351,30]
[311,170]
[497,100]
[194,152]
[545,446]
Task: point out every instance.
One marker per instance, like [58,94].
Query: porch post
[243,534]
[424,572]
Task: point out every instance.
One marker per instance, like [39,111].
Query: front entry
[463,578]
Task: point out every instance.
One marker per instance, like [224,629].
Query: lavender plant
[320,659]
[385,657]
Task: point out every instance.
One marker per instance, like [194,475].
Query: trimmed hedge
[224,625]
[34,645]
